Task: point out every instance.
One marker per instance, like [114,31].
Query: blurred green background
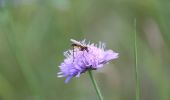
[34,34]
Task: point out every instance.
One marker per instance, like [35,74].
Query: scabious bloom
[78,61]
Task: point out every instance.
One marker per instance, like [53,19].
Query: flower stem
[136,64]
[95,85]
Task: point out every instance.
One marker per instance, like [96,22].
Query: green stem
[95,85]
[136,64]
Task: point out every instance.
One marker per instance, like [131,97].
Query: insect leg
[73,54]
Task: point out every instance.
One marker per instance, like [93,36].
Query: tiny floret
[84,57]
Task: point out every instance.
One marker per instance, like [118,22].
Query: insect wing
[76,42]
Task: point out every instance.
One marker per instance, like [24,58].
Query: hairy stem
[95,85]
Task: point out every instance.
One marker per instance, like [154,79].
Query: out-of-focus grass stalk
[95,85]
[136,63]
[7,90]
[16,49]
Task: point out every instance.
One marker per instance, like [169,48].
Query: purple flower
[79,60]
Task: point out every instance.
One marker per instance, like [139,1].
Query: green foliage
[34,34]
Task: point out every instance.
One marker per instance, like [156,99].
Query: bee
[79,46]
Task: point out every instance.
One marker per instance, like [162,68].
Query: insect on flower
[88,56]
[78,45]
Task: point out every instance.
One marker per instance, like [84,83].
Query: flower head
[84,57]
